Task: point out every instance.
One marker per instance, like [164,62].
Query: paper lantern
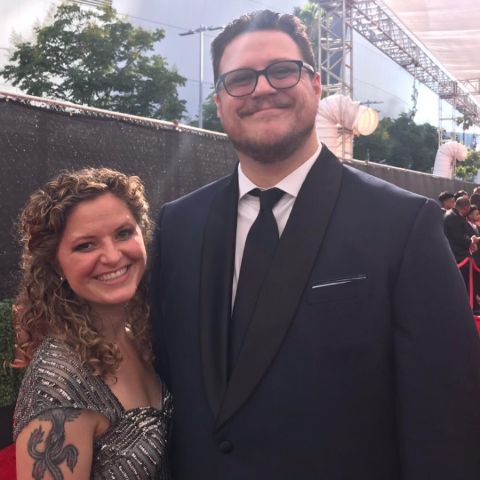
[366,121]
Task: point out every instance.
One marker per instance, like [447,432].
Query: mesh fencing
[37,142]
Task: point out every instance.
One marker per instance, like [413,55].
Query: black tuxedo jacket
[458,232]
[362,360]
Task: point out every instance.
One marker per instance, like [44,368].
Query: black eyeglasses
[280,75]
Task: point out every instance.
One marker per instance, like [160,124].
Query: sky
[376,78]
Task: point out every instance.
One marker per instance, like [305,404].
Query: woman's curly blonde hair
[46,305]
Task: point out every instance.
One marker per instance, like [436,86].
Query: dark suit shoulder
[374,186]
[387,203]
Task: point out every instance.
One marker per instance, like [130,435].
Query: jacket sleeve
[437,360]
[456,232]
[159,347]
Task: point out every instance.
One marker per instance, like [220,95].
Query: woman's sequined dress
[133,447]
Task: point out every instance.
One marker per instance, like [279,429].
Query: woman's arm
[58,445]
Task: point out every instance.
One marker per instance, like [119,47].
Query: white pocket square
[340,281]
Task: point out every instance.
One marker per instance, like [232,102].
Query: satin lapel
[286,281]
[216,289]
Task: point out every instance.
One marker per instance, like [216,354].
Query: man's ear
[218,105]
[317,85]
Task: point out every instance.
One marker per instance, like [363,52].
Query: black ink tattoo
[55,453]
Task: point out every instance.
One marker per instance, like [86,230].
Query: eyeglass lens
[279,75]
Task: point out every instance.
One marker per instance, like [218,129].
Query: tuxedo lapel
[216,289]
[286,281]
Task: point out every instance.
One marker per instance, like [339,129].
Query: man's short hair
[462,202]
[258,21]
[444,196]
[460,193]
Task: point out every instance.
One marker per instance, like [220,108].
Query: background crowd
[462,229]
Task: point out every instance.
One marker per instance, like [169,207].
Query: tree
[308,14]
[413,146]
[400,142]
[210,119]
[374,147]
[94,58]
[466,122]
[468,169]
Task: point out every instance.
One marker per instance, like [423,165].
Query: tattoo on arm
[54,452]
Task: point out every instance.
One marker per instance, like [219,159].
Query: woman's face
[102,253]
[473,216]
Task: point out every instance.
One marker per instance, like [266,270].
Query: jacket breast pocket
[345,287]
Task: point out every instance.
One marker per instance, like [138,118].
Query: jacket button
[225,446]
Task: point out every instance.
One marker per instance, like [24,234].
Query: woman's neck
[111,322]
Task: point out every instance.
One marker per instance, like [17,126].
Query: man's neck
[266,175]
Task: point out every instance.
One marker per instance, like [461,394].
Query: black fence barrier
[37,143]
[38,140]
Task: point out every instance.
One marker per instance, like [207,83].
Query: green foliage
[210,119]
[308,14]
[94,58]
[374,147]
[468,169]
[400,142]
[9,378]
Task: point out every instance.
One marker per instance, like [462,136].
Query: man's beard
[268,152]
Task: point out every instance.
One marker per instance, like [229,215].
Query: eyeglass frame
[300,64]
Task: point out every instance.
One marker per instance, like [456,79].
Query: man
[475,198]
[346,363]
[460,193]
[447,201]
[462,239]
[461,236]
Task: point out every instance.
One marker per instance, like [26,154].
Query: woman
[90,405]
[473,218]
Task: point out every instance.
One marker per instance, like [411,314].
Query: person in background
[475,198]
[473,218]
[90,405]
[300,341]
[460,193]
[447,201]
[461,236]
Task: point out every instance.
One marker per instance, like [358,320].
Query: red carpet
[7,463]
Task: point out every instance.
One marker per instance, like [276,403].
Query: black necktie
[260,246]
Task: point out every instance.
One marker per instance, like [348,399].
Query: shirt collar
[291,184]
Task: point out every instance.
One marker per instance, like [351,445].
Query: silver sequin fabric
[134,446]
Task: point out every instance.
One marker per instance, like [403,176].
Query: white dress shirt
[249,206]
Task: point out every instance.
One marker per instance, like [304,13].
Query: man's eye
[282,71]
[84,247]
[240,78]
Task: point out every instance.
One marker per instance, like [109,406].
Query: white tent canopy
[449,30]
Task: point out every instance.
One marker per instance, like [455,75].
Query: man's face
[463,211]
[268,125]
[449,203]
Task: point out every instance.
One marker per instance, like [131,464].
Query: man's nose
[263,86]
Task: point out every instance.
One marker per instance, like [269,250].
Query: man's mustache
[257,105]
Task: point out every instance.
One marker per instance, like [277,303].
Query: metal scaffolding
[335,53]
[372,20]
